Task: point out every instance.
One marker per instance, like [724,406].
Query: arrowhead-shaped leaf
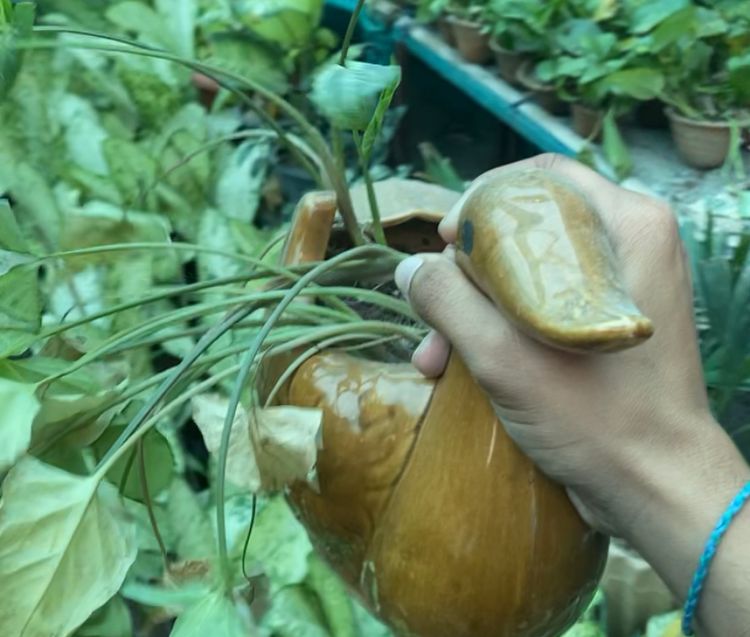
[65,548]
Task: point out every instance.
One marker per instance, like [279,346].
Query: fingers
[431,356]
[443,296]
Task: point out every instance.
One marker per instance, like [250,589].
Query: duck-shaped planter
[425,506]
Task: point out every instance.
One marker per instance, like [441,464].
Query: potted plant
[603,78]
[470,32]
[708,110]
[519,32]
[544,93]
[435,11]
[717,240]
[312,303]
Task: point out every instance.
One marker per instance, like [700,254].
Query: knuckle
[550,161]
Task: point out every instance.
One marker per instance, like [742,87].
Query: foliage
[522,26]
[720,257]
[128,232]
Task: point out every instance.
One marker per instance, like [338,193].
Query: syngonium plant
[85,417]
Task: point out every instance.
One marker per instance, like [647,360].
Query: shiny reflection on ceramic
[536,246]
[371,415]
[424,506]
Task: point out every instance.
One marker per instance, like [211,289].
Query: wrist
[676,492]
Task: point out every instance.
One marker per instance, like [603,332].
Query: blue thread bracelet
[708,553]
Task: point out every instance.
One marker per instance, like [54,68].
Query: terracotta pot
[543,94]
[508,62]
[446,30]
[471,42]
[701,144]
[587,122]
[425,507]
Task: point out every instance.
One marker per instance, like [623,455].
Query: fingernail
[423,345]
[405,272]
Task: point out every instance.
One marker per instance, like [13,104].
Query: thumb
[447,300]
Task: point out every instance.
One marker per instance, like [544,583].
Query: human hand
[599,424]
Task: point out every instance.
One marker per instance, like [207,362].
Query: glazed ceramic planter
[425,507]
[701,144]
[472,43]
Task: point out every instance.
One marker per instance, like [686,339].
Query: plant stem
[377,225]
[350,31]
[338,181]
[106,464]
[213,335]
[143,476]
[239,387]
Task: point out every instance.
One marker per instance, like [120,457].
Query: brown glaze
[425,507]
[310,230]
[475,542]
[371,414]
[306,242]
[401,200]
[539,250]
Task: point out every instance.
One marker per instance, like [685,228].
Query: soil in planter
[411,236]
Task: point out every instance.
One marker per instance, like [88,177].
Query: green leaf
[215,231]
[132,169]
[279,545]
[348,96]
[65,548]
[650,13]
[36,205]
[180,21]
[20,406]
[112,620]
[615,149]
[6,12]
[238,190]
[17,23]
[20,300]
[639,83]
[294,612]
[376,124]
[333,598]
[10,234]
[739,76]
[13,248]
[235,53]
[190,522]
[161,597]
[288,24]
[140,19]
[84,135]
[715,281]
[62,402]
[216,615]
[158,457]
